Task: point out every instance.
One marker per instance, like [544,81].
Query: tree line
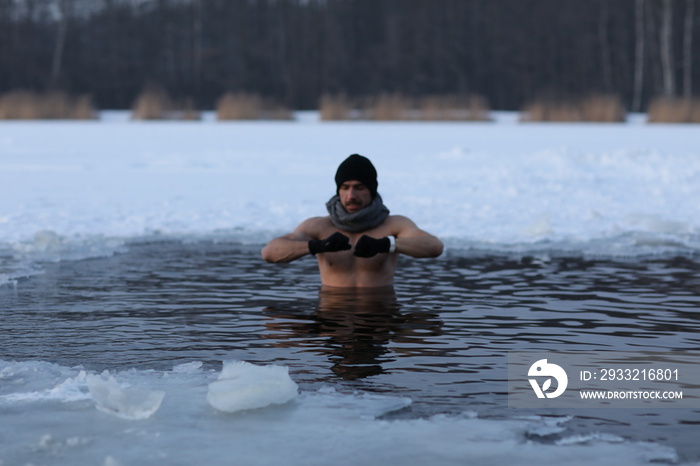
[296,51]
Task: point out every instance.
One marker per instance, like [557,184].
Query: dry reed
[155,104]
[335,108]
[245,106]
[388,107]
[453,108]
[594,108]
[152,104]
[27,105]
[398,107]
[674,110]
[603,109]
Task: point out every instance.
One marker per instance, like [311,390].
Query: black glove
[335,242]
[367,246]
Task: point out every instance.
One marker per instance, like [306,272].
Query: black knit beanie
[358,168]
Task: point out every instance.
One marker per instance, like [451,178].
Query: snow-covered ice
[77,189]
[82,189]
[320,427]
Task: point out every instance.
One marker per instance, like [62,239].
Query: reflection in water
[356,325]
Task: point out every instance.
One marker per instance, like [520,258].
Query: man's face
[354,196]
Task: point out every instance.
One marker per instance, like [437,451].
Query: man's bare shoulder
[403,227]
[312,222]
[400,221]
[315,226]
[399,218]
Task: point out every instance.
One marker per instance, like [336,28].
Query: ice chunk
[243,386]
[122,401]
[46,241]
[188,367]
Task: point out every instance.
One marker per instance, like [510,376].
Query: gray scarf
[371,216]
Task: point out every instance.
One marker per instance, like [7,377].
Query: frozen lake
[133,248]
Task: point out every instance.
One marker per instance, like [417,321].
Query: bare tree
[666,42]
[61,16]
[297,50]
[639,50]
[605,46]
[197,46]
[688,48]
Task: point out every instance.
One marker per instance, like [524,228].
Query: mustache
[353,203]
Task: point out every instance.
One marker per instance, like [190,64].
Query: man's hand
[367,246]
[335,242]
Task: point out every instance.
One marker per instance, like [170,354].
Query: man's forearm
[419,246]
[282,250]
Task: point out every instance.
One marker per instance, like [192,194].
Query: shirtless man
[358,243]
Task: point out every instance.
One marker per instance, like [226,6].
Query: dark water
[441,336]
